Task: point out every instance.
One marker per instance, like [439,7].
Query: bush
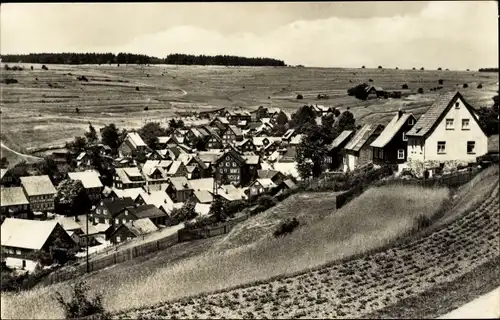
[380,67]
[300,97]
[420,90]
[422,222]
[362,67]
[9,81]
[146,108]
[137,89]
[465,85]
[480,86]
[404,86]
[44,67]
[80,305]
[285,227]
[77,110]
[422,69]
[370,80]
[440,81]
[439,69]
[266,201]
[83,78]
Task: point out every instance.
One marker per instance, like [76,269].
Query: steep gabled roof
[179,183]
[269,174]
[146,211]
[114,206]
[391,130]
[233,154]
[89,178]
[135,139]
[362,136]
[346,134]
[13,196]
[203,196]
[24,233]
[38,185]
[235,130]
[434,115]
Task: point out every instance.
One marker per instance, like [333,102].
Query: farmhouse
[390,147]
[231,135]
[7,179]
[91,182]
[334,155]
[233,167]
[40,192]
[448,130]
[126,178]
[109,208]
[22,240]
[275,176]
[357,151]
[178,189]
[157,198]
[373,92]
[260,186]
[132,143]
[132,229]
[245,145]
[149,211]
[13,203]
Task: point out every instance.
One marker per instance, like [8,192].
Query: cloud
[455,35]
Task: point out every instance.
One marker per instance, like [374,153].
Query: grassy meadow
[377,217]
[40,110]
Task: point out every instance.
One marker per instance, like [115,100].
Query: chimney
[400,113]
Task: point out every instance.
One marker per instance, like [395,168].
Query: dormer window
[457,105]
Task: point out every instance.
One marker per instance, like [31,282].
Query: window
[234,170]
[18,252]
[401,154]
[96,220]
[221,170]
[441,147]
[457,105]
[449,124]
[117,221]
[118,239]
[471,147]
[411,121]
[234,164]
[228,164]
[405,138]
[465,124]
[128,238]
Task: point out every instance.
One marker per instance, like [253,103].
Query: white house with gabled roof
[448,131]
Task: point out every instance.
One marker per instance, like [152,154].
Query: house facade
[14,203]
[40,192]
[7,179]
[132,143]
[22,240]
[107,209]
[448,131]
[127,178]
[391,145]
[178,189]
[358,151]
[91,182]
[233,168]
[334,155]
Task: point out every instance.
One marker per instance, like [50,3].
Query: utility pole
[87,241]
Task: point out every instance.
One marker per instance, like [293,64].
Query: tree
[77,145]
[327,122]
[4,163]
[465,85]
[219,209]
[71,198]
[200,144]
[300,97]
[311,152]
[91,135]
[422,69]
[362,67]
[110,136]
[420,90]
[440,81]
[380,67]
[303,117]
[488,117]
[404,86]
[77,110]
[80,304]
[336,112]
[282,118]
[359,91]
[180,215]
[20,169]
[150,133]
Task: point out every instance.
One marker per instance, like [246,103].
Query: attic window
[457,105]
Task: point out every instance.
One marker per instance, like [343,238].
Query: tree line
[488,70]
[126,58]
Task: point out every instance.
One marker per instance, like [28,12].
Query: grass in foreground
[377,217]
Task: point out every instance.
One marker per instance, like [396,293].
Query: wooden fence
[451,180]
[208,232]
[111,259]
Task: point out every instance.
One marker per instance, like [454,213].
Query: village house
[287,184]
[391,145]
[13,203]
[137,212]
[275,176]
[373,92]
[357,151]
[202,196]
[40,192]
[73,229]
[246,145]
[22,240]
[231,135]
[334,150]
[220,124]
[448,131]
[178,189]
[157,198]
[229,193]
[83,160]
[91,182]
[107,209]
[163,142]
[215,142]
[287,137]
[202,169]
[131,230]
[232,167]
[260,186]
[126,178]
[7,179]
[321,110]
[132,143]
[177,169]
[155,172]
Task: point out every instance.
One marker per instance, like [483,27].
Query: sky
[430,34]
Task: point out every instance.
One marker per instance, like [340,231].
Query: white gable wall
[456,139]
[415,150]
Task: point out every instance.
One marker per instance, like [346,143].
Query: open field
[200,266]
[40,109]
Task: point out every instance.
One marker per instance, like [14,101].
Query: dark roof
[234,154]
[391,130]
[199,162]
[114,206]
[362,136]
[433,116]
[147,211]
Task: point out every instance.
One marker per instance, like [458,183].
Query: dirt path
[486,306]
[19,154]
